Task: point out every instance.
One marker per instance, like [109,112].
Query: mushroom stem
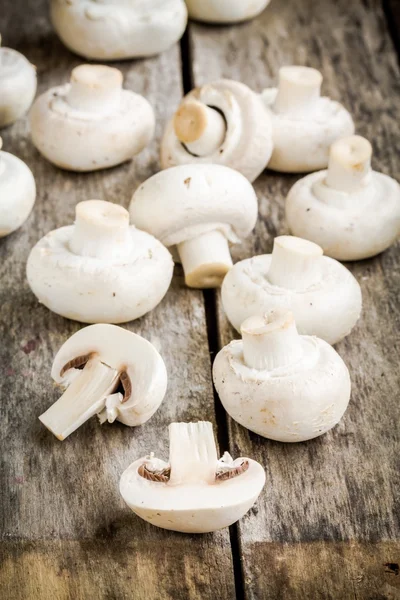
[192,453]
[271,341]
[349,163]
[205,259]
[298,89]
[101,230]
[85,397]
[95,88]
[201,128]
[295,263]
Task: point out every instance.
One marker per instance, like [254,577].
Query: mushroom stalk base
[349,164]
[84,398]
[192,453]
[299,88]
[295,263]
[205,259]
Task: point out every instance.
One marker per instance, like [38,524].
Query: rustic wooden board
[65,531]
[327,523]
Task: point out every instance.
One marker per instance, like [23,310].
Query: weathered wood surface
[327,524]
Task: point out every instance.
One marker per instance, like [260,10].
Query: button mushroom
[221,11]
[304,123]
[222,122]
[115,29]
[323,295]
[351,211]
[198,208]
[17,85]
[17,192]
[107,371]
[279,384]
[194,492]
[99,270]
[91,123]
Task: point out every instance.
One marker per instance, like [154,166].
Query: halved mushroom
[17,85]
[283,386]
[304,123]
[115,29]
[351,211]
[17,192]
[223,122]
[194,492]
[107,371]
[91,123]
[225,11]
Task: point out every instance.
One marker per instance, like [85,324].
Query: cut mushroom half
[107,371]
[221,11]
[223,122]
[351,211]
[194,492]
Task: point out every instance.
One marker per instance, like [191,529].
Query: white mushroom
[91,123]
[225,11]
[115,29]
[17,85]
[282,385]
[194,492]
[199,209]
[224,123]
[351,211]
[107,371]
[17,192]
[304,123]
[323,295]
[99,270]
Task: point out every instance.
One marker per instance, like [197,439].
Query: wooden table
[327,524]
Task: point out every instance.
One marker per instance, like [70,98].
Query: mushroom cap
[301,144]
[185,201]
[247,146]
[287,404]
[81,141]
[194,507]
[17,192]
[328,309]
[225,11]
[349,226]
[122,350]
[17,85]
[118,29]
[93,290]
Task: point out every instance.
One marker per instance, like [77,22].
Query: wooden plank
[329,505]
[65,531]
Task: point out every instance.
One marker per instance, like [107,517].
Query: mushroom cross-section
[223,122]
[279,384]
[101,269]
[225,11]
[118,29]
[91,123]
[323,295]
[304,123]
[17,192]
[194,492]
[199,209]
[17,85]
[107,371]
[351,211]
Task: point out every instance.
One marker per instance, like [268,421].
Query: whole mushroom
[107,371]
[118,29]
[17,85]
[194,492]
[199,209]
[91,123]
[225,11]
[223,122]
[279,384]
[351,211]
[17,192]
[304,123]
[99,270]
[322,294]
